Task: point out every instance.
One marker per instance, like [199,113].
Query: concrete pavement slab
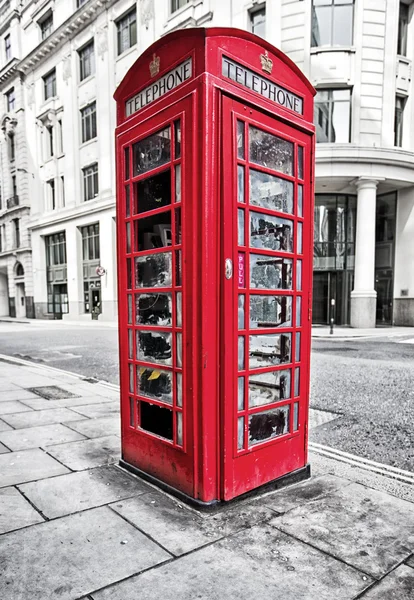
[4,426]
[7,386]
[28,465]
[252,565]
[70,557]
[16,395]
[367,529]
[38,437]
[398,585]
[15,511]
[66,494]
[42,404]
[7,408]
[3,449]
[88,454]
[410,561]
[40,417]
[103,426]
[98,410]
[180,529]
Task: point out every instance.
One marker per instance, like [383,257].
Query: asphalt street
[364,386]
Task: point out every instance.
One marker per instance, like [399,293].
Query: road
[364,386]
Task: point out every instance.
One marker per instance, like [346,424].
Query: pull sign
[228,268]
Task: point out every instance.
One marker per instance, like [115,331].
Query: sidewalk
[351,333]
[74,526]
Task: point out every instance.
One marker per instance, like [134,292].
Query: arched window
[19,270]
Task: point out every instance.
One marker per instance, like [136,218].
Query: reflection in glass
[270,311]
[268,425]
[240,393]
[179,417]
[240,433]
[270,151]
[179,349]
[269,350]
[179,389]
[300,162]
[272,233]
[297,347]
[240,139]
[298,311]
[153,309]
[240,183]
[268,272]
[128,237]
[152,152]
[178,310]
[153,192]
[130,343]
[178,271]
[178,183]
[299,275]
[153,270]
[332,112]
[154,347]
[154,383]
[299,240]
[177,133]
[240,227]
[241,311]
[297,376]
[241,353]
[266,388]
[131,378]
[300,200]
[269,191]
[129,309]
[127,202]
[332,22]
[296,416]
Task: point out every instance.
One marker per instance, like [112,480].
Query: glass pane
[129,309]
[153,309]
[267,272]
[340,122]
[269,191]
[240,433]
[299,275]
[154,347]
[153,232]
[321,25]
[266,388]
[154,270]
[178,316]
[240,393]
[297,377]
[271,233]
[240,139]
[270,151]
[269,350]
[268,425]
[296,416]
[300,200]
[131,378]
[128,238]
[126,157]
[152,193]
[178,183]
[154,383]
[130,343]
[240,227]
[178,280]
[129,274]
[240,183]
[298,311]
[297,347]
[299,240]
[342,25]
[177,132]
[179,350]
[240,353]
[179,417]
[152,151]
[270,311]
[179,389]
[127,202]
[300,162]
[241,311]
[131,412]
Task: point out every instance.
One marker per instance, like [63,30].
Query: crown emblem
[154,65]
[267,63]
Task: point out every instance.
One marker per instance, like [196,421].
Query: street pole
[332,319]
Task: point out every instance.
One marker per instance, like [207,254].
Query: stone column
[364,296]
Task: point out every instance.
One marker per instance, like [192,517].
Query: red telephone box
[214,151]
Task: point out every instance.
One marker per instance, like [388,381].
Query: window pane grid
[90,182]
[88,118]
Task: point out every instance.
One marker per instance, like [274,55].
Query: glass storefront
[384,256]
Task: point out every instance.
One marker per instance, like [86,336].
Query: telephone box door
[267,258]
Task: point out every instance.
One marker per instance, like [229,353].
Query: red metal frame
[208,465]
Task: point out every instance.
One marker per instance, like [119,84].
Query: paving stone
[4,426]
[103,426]
[38,437]
[87,454]
[15,511]
[254,564]
[28,465]
[3,449]
[7,386]
[40,417]
[7,408]
[98,410]
[180,529]
[411,561]
[42,404]
[368,529]
[52,392]
[398,585]
[75,492]
[78,554]
[16,395]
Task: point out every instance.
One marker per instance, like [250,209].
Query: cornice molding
[9,70]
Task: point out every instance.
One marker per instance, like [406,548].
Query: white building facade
[61,61]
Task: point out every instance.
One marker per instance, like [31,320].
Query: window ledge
[322,49]
[178,13]
[125,53]
[87,79]
[89,142]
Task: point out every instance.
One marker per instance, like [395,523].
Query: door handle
[228,268]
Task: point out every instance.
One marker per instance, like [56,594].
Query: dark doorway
[59,304]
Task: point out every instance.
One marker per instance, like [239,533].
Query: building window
[62,190]
[49,84]
[11,143]
[332,22]
[60,136]
[127,31]
[10,100]
[90,182]
[14,186]
[16,233]
[176,4]
[91,256]
[88,118]
[81,2]
[398,120]
[90,242]
[51,192]
[46,26]
[333,116]
[49,141]
[402,29]
[7,47]
[258,22]
[56,249]
[87,61]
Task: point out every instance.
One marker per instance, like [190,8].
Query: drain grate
[90,379]
[52,392]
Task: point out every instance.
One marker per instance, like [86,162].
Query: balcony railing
[12,202]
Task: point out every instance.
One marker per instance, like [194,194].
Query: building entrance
[328,286]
